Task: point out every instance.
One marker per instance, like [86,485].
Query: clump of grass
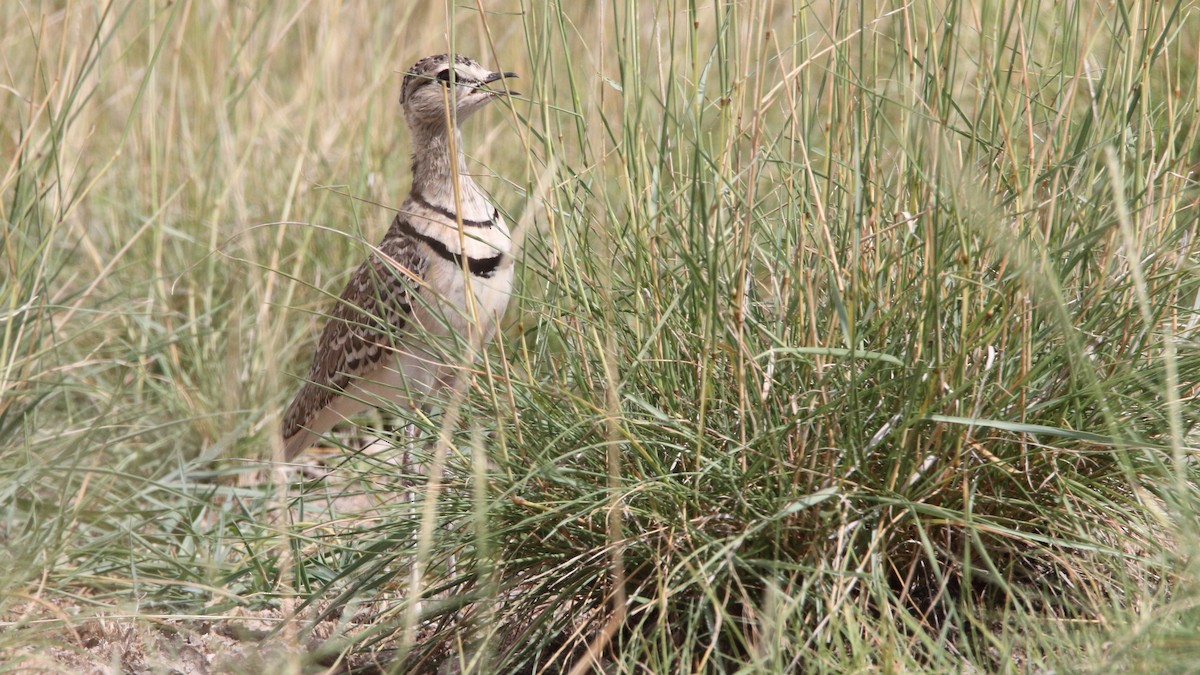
[851,338]
[901,393]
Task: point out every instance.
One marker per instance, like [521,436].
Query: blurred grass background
[849,336]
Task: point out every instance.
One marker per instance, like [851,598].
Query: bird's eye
[444,76]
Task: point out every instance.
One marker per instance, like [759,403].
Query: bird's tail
[297,443]
[301,431]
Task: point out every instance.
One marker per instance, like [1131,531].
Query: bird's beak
[493,77]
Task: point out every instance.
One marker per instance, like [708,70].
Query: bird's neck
[439,165]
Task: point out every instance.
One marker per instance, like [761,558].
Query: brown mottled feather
[362,329]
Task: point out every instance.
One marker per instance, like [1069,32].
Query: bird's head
[437,81]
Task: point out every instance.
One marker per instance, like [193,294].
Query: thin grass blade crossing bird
[379,346]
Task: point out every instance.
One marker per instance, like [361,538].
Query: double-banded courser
[446,241]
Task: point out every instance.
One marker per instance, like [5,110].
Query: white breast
[446,283]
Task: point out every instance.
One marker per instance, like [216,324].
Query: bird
[384,341]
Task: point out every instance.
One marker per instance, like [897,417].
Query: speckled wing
[363,328]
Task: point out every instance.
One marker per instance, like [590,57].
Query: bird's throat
[438,164]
